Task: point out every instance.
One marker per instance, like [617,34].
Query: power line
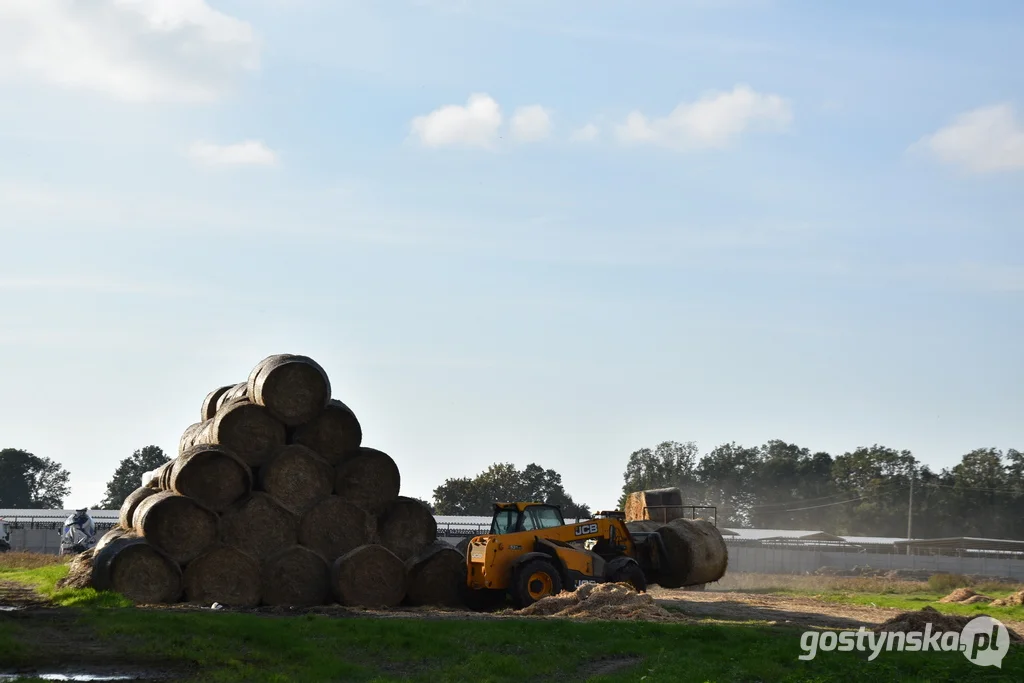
[886,488]
[841,502]
[971,488]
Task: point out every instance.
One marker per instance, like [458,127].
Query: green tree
[28,481]
[729,474]
[503,482]
[128,475]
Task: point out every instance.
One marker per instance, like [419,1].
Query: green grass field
[224,646]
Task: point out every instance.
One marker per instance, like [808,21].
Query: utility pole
[910,510]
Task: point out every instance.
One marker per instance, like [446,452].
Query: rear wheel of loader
[631,574]
[535,580]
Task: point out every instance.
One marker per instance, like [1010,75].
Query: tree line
[776,485]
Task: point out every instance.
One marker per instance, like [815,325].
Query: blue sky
[737,220]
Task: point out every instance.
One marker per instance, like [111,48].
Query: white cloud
[983,140]
[132,50]
[474,125]
[530,124]
[714,121]
[585,133]
[247,153]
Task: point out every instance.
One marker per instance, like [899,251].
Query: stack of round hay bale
[274,500]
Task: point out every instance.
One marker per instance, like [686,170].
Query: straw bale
[113,534]
[406,527]
[369,576]
[126,516]
[601,601]
[335,433]
[79,571]
[294,388]
[649,504]
[210,403]
[333,526]
[296,576]
[260,526]
[248,430]
[176,525]
[195,434]
[696,551]
[369,479]
[959,595]
[212,476]
[297,477]
[223,574]
[137,570]
[436,576]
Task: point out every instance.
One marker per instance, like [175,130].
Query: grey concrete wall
[778,561]
[36,540]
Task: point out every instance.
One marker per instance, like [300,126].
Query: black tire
[534,580]
[632,574]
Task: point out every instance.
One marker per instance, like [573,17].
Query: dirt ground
[692,606]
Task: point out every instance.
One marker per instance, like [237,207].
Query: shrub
[943,582]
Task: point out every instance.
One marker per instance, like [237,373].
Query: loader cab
[510,518]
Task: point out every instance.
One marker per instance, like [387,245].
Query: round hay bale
[297,477]
[223,574]
[79,571]
[296,576]
[235,392]
[248,430]
[259,526]
[176,525]
[211,402]
[406,527]
[213,476]
[195,434]
[369,479]
[153,478]
[369,576]
[696,550]
[436,576]
[137,570]
[333,526]
[334,433]
[112,535]
[126,516]
[295,389]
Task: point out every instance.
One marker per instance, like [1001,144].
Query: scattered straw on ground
[603,601]
[1014,600]
[80,573]
[941,623]
[961,595]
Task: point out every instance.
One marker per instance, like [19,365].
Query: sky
[515,231]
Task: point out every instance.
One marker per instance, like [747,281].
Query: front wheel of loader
[631,574]
[535,580]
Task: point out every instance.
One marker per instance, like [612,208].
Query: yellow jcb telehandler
[531,553]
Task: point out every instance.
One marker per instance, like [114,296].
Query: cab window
[504,522]
[541,517]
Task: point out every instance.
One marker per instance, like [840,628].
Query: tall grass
[22,560]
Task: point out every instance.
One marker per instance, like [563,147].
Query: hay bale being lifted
[406,527]
[126,517]
[436,576]
[296,576]
[696,550]
[660,505]
[248,430]
[176,525]
[369,576]
[259,526]
[369,479]
[334,526]
[213,476]
[223,574]
[334,433]
[134,568]
[295,389]
[297,477]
